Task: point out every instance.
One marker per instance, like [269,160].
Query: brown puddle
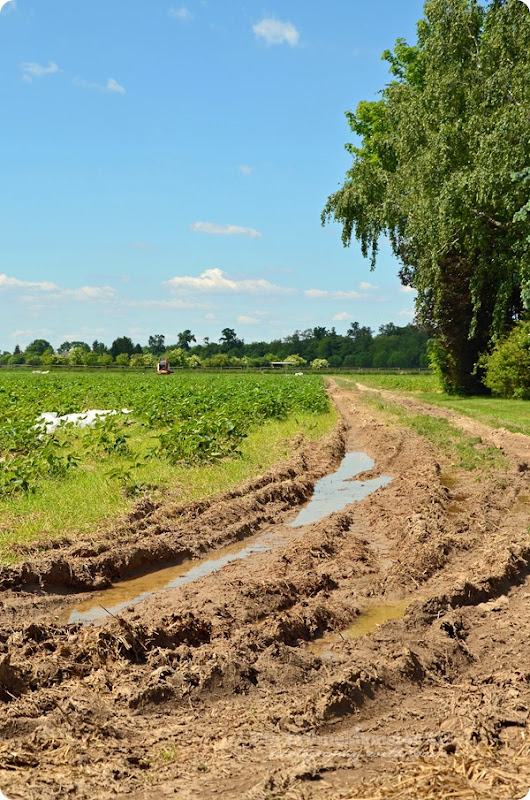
[133,590]
[340,489]
[521,504]
[332,493]
[370,618]
[448,480]
[458,500]
[458,504]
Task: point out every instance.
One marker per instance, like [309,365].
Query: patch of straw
[473,773]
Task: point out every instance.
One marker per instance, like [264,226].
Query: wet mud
[385,638]
[331,493]
[338,490]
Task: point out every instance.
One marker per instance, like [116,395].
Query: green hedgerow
[507,367]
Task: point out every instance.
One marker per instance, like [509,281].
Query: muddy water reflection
[134,590]
[332,493]
[336,491]
[370,618]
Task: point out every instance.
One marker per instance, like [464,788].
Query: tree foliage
[392,346]
[441,171]
[185,338]
[38,347]
[123,344]
[156,343]
[507,368]
[65,347]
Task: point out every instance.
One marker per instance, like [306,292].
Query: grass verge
[497,412]
[399,382]
[465,452]
[89,498]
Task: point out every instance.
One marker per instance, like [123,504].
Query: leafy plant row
[186,419]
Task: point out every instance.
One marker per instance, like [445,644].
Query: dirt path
[246,683]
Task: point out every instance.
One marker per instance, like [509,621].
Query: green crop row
[185,419]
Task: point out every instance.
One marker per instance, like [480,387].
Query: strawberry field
[186,419]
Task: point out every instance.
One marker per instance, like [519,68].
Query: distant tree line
[392,346]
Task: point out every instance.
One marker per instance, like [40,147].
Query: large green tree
[156,344]
[38,347]
[123,344]
[439,170]
[185,338]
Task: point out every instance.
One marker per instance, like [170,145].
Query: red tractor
[162,368]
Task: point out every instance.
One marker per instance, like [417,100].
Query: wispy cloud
[61,295]
[322,294]
[31,70]
[213,229]
[111,86]
[406,314]
[170,303]
[215,280]
[49,291]
[341,316]
[7,282]
[88,293]
[244,320]
[79,335]
[366,287]
[273,31]
[140,245]
[30,333]
[245,169]
[183,14]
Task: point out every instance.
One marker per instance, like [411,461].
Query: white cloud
[30,70]
[407,314]
[322,294]
[273,31]
[213,229]
[79,335]
[31,334]
[183,14]
[138,246]
[343,315]
[82,294]
[215,280]
[365,286]
[51,291]
[244,320]
[7,282]
[83,84]
[245,169]
[111,86]
[407,289]
[89,293]
[171,303]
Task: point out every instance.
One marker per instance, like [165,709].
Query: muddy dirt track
[251,682]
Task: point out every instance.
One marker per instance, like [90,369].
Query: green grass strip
[88,498]
[513,415]
[466,452]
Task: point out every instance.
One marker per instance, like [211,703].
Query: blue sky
[164,166]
